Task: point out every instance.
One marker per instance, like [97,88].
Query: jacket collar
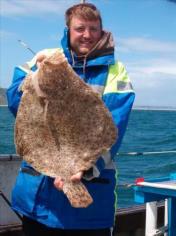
[101,54]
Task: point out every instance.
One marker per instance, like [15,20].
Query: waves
[148,131]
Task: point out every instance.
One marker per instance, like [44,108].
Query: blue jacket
[34,195]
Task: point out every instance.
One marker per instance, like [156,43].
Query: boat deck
[129,222]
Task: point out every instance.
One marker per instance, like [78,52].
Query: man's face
[84,35]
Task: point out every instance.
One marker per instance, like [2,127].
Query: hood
[101,54]
[105,46]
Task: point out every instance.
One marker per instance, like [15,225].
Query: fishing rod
[26,46]
[145,153]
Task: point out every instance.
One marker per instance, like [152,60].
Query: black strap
[98,181]
[30,171]
[33,172]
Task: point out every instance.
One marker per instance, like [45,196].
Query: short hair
[87,11]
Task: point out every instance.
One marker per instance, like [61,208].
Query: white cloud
[6,34]
[153,75]
[153,66]
[153,92]
[144,44]
[32,7]
[154,82]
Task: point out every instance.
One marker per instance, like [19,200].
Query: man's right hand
[59,182]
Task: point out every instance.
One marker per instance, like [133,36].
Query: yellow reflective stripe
[118,80]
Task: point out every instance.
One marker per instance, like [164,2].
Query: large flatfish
[62,125]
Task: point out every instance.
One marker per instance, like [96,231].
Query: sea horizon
[144,107]
[153,108]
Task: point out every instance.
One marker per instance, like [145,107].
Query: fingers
[39,58]
[59,183]
[77,177]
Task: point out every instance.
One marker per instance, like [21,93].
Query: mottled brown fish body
[62,125]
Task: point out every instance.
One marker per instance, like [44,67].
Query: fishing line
[26,46]
[129,185]
[145,153]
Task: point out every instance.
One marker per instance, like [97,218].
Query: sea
[145,150]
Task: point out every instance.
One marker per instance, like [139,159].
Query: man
[90,51]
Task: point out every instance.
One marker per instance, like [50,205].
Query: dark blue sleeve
[13,92]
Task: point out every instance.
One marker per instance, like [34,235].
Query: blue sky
[144,32]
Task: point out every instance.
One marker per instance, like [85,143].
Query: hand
[77,177]
[59,182]
[39,58]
